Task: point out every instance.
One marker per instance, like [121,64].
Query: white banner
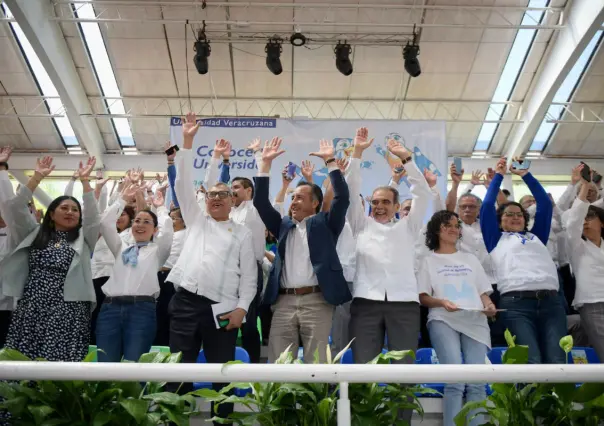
[426,139]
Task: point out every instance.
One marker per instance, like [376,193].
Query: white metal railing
[305,373]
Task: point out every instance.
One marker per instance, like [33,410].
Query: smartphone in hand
[586,172]
[457,164]
[172,150]
[222,322]
[521,164]
[291,171]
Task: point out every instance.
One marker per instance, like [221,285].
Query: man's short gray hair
[388,188]
[469,194]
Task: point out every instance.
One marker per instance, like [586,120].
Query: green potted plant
[314,404]
[79,403]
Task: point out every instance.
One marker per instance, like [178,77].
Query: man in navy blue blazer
[306,281]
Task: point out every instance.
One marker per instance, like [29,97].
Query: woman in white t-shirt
[585,228]
[456,289]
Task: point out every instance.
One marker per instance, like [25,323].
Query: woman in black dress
[50,271]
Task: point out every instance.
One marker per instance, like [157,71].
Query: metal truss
[312,19]
[312,108]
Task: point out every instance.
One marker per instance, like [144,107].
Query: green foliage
[80,403]
[552,404]
[314,404]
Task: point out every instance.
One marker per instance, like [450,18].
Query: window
[93,40]
[45,85]
[564,94]
[511,71]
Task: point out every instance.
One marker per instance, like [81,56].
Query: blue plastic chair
[583,355]
[496,355]
[427,356]
[240,355]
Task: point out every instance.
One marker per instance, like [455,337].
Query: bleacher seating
[240,355]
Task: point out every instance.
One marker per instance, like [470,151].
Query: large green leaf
[7,354]
[565,391]
[101,418]
[517,354]
[566,343]
[209,394]
[40,412]
[460,418]
[392,355]
[16,405]
[588,391]
[174,358]
[6,390]
[136,408]
[164,398]
[174,415]
[153,357]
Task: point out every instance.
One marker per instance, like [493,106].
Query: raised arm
[185,190]
[570,192]
[225,173]
[70,184]
[575,218]
[456,177]
[165,234]
[222,147]
[108,228]
[489,224]
[268,214]
[90,214]
[356,213]
[543,214]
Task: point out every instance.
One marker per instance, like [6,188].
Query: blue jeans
[537,323]
[126,329]
[449,345]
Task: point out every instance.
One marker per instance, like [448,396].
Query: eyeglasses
[468,207]
[448,226]
[218,194]
[144,222]
[512,214]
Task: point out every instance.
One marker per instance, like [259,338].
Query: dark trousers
[266,318]
[166,291]
[5,317]
[100,297]
[423,329]
[496,323]
[191,325]
[250,337]
[537,323]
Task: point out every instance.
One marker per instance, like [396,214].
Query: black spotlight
[202,51]
[410,52]
[343,63]
[273,56]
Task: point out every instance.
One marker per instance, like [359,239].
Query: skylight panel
[42,79]
[511,71]
[97,51]
[564,94]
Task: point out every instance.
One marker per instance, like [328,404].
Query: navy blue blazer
[323,230]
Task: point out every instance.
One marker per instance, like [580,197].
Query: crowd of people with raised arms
[126,269]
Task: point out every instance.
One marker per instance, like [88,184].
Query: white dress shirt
[297,268]
[178,241]
[218,259]
[139,280]
[102,258]
[246,214]
[385,253]
[587,259]
[346,249]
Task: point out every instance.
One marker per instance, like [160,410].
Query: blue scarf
[130,255]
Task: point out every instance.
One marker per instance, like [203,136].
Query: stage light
[298,39]
[202,52]
[343,64]
[273,56]
[410,52]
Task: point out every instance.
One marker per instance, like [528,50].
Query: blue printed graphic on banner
[265,123]
[421,161]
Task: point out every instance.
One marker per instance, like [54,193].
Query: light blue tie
[130,255]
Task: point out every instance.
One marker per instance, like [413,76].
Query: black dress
[44,325]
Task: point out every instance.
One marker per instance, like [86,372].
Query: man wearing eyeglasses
[217,265]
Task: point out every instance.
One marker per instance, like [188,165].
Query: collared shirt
[472,242]
[246,214]
[139,280]
[178,241]
[297,268]
[385,253]
[102,258]
[217,260]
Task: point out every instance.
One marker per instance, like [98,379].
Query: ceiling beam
[47,40]
[584,19]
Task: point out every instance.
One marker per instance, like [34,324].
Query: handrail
[303,373]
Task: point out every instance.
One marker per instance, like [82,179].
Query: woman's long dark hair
[129,210]
[502,208]
[435,225]
[47,229]
[593,210]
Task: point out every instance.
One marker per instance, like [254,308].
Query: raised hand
[307,169]
[44,167]
[516,171]
[488,177]
[430,177]
[475,179]
[255,145]
[501,166]
[85,169]
[170,156]
[342,164]
[398,149]
[190,126]
[398,171]
[456,175]
[361,139]
[130,190]
[575,177]
[222,148]
[326,150]
[5,153]
[285,178]
[272,149]
[137,175]
[159,200]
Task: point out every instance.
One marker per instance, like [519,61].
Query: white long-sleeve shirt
[246,214]
[178,242]
[346,249]
[102,258]
[217,260]
[385,253]
[587,259]
[139,280]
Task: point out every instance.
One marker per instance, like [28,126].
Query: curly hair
[502,208]
[434,226]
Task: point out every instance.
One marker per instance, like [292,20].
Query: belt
[129,299]
[532,294]
[164,269]
[300,291]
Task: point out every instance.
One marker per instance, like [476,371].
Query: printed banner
[425,139]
